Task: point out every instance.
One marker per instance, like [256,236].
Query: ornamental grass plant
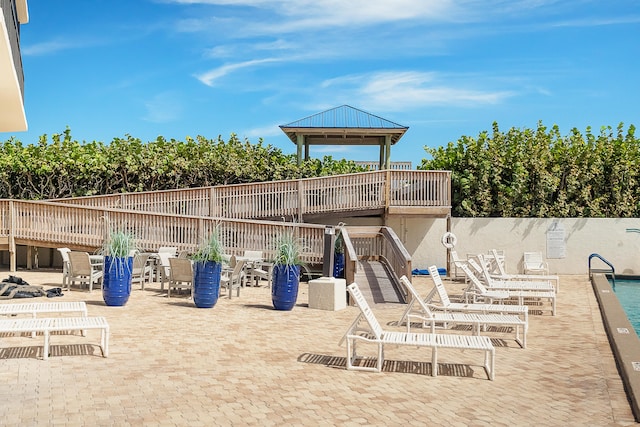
[211,250]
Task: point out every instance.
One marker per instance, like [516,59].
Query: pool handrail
[613,270]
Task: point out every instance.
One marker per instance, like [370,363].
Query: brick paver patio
[243,363]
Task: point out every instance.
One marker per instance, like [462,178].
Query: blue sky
[444,68]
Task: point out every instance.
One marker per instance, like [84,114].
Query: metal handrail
[613,270]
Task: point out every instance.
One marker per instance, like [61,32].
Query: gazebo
[345,125]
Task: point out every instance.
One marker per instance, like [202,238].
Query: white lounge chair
[477,291]
[36,308]
[56,324]
[447,305]
[482,272]
[373,333]
[417,309]
[501,274]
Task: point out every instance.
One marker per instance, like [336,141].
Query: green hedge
[540,173]
[64,167]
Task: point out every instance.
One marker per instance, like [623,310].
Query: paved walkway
[243,363]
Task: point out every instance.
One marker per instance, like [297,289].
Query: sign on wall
[556,245]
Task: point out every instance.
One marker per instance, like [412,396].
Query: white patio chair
[164,267]
[142,270]
[257,267]
[64,253]
[534,263]
[82,270]
[234,276]
[180,275]
[171,250]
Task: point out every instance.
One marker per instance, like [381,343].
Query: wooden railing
[184,217]
[378,243]
[290,199]
[374,166]
[50,224]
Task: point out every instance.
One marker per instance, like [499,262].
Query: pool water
[628,293]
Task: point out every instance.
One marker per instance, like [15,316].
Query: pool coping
[623,339]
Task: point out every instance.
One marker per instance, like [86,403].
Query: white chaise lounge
[501,274]
[446,304]
[46,325]
[374,334]
[477,291]
[420,311]
[35,308]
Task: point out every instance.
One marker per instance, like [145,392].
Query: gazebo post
[300,141]
[381,165]
[387,151]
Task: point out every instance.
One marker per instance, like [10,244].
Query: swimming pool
[628,293]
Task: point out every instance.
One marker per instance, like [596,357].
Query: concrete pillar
[328,293]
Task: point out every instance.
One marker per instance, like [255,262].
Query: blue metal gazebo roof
[344,124]
[344,116]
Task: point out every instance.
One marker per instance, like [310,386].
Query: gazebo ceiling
[344,125]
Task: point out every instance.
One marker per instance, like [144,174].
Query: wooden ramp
[373,280]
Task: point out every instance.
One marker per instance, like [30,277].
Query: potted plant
[338,257]
[118,266]
[286,272]
[206,271]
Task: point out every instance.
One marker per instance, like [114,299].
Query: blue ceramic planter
[116,280]
[338,265]
[206,283]
[284,290]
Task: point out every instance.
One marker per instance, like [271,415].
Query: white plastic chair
[180,275]
[171,250]
[534,263]
[64,252]
[234,277]
[164,267]
[142,270]
[82,270]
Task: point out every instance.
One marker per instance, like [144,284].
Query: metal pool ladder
[611,269]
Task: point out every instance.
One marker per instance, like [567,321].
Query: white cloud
[406,90]
[265,131]
[287,16]
[50,47]
[210,77]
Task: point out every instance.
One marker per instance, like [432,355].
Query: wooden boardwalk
[376,284]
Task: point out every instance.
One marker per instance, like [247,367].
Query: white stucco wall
[583,236]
